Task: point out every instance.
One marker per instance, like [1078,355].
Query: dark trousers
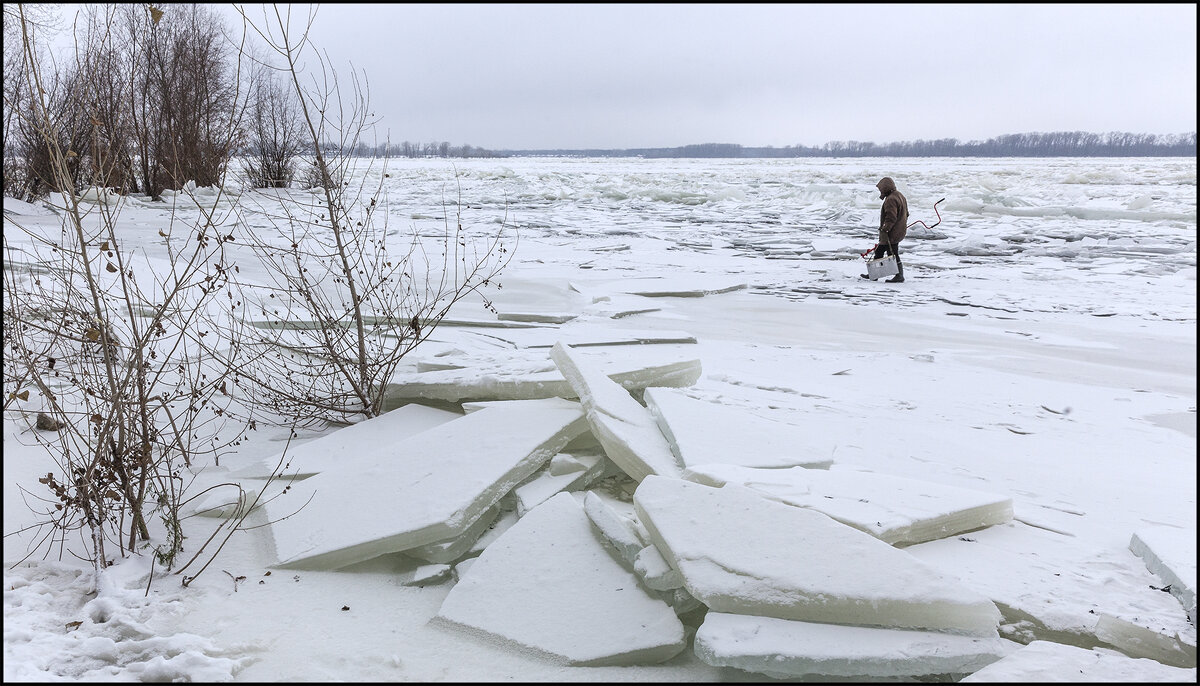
[893,248]
[884,248]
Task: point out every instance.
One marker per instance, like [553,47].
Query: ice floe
[531,380]
[548,584]
[704,433]
[742,553]
[432,487]
[894,509]
[628,432]
[313,457]
[784,649]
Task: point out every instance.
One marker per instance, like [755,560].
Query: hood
[886,185]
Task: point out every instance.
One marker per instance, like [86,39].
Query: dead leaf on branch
[155,14]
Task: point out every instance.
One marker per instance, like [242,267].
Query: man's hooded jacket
[893,217]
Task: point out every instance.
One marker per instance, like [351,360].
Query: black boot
[899,277]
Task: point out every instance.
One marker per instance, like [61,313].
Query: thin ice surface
[628,432]
[891,508]
[548,583]
[705,433]
[784,648]
[799,563]
[427,489]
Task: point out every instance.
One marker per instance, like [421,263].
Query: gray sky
[663,75]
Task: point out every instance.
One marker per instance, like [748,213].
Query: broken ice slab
[328,451]
[1056,588]
[1044,661]
[591,336]
[742,553]
[444,552]
[653,568]
[677,286]
[627,431]
[785,649]
[893,509]
[1170,554]
[429,488]
[428,574]
[539,317]
[705,433]
[530,381]
[548,584]
[541,487]
[616,530]
[503,523]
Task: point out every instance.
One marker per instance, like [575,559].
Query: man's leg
[899,277]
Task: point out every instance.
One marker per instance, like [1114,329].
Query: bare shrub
[346,301]
[107,347]
[275,135]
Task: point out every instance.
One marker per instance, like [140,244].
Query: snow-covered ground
[1042,352]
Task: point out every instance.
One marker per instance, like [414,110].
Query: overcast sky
[662,75]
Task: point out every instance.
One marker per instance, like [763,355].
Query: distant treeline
[1057,144]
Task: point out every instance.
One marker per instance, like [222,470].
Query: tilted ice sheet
[706,433]
[742,553]
[1051,587]
[449,550]
[628,432]
[1043,661]
[784,648]
[429,488]
[548,583]
[1170,554]
[544,485]
[893,509]
[329,450]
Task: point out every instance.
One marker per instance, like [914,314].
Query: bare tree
[346,301]
[275,135]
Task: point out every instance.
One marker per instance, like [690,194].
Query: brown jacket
[893,217]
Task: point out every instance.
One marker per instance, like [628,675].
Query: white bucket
[884,266]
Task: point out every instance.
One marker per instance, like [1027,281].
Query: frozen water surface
[1042,348]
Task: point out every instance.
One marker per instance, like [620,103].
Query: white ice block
[785,649]
[540,488]
[745,554]
[627,430]
[707,433]
[654,569]
[616,530]
[445,552]
[1170,554]
[893,509]
[549,584]
[530,381]
[327,451]
[590,336]
[1043,661]
[430,488]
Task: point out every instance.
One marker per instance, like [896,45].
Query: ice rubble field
[692,445]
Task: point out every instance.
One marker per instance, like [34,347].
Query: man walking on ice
[893,224]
